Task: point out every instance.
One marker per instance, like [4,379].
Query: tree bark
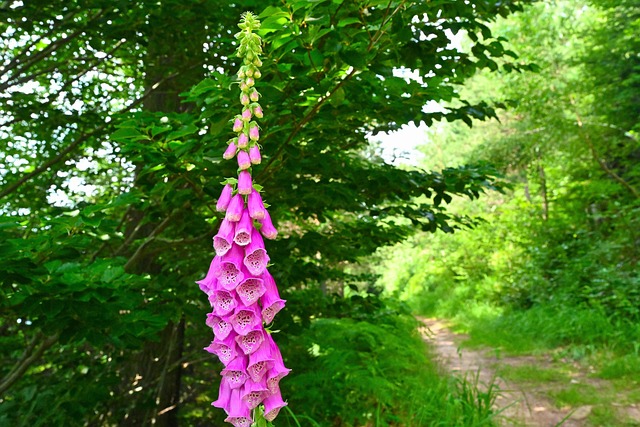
[156,371]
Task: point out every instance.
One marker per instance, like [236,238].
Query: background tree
[557,260]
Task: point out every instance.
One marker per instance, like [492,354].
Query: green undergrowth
[609,347]
[374,369]
[571,332]
[533,374]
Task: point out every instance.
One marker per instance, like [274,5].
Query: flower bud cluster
[242,293]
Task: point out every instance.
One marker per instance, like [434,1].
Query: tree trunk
[156,370]
[543,188]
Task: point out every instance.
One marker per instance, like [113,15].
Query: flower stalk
[242,293]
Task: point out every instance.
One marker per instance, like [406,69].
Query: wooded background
[115,117]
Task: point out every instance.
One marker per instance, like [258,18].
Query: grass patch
[634,396]
[627,366]
[607,416]
[579,395]
[356,373]
[532,374]
[542,328]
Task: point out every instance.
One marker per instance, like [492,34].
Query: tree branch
[28,358]
[24,66]
[63,154]
[156,231]
[601,162]
[16,59]
[372,41]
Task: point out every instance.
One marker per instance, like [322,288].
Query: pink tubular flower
[245,184]
[267,229]
[242,236]
[254,133]
[255,205]
[256,258]
[238,124]
[235,208]
[243,140]
[254,155]
[225,349]
[241,291]
[209,284]
[221,328]
[245,319]
[230,151]
[253,393]
[270,301]
[260,361]
[224,239]
[250,342]
[272,406]
[239,412]
[235,373]
[224,199]
[230,272]
[224,396]
[250,290]
[278,370]
[222,302]
[244,161]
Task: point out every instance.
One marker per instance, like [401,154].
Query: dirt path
[520,404]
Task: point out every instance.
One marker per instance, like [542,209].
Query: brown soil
[517,404]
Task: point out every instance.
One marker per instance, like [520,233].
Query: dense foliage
[115,115]
[557,260]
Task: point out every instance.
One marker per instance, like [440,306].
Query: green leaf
[186,130]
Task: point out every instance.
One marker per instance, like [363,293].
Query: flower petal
[230,151]
[242,235]
[235,373]
[270,301]
[235,208]
[250,290]
[223,302]
[254,155]
[244,161]
[260,361]
[255,205]
[267,229]
[244,183]
[225,349]
[251,341]
[224,239]
[239,412]
[221,328]
[256,258]
[245,319]
[209,284]
[253,393]
[224,199]
[224,396]
[272,406]
[230,272]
